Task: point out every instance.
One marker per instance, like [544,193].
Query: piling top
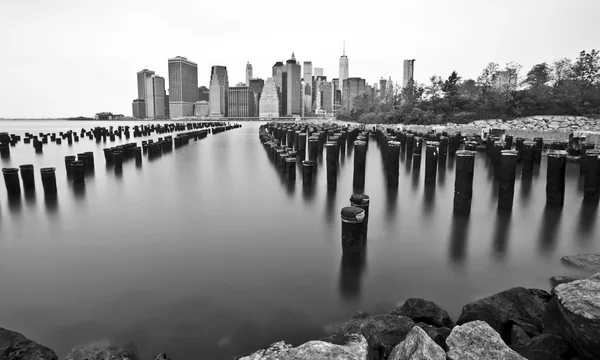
[592,152]
[10,170]
[433,143]
[352,214]
[528,143]
[360,143]
[509,153]
[359,199]
[47,170]
[308,163]
[465,153]
[557,153]
[26,167]
[394,143]
[331,144]
[290,160]
[499,144]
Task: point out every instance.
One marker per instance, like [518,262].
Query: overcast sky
[77,57]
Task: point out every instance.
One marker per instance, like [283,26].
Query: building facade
[155,97]
[203,93]
[307,88]
[409,71]
[382,88]
[269,100]
[353,87]
[248,74]
[201,108]
[278,71]
[219,86]
[240,102]
[183,86]
[257,85]
[139,108]
[318,72]
[294,88]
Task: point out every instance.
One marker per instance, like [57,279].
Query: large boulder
[476,340]
[424,311]
[383,332]
[544,347]
[437,334]
[15,346]
[355,348]
[501,311]
[557,280]
[589,262]
[101,350]
[417,346]
[574,314]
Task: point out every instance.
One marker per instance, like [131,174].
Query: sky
[78,57]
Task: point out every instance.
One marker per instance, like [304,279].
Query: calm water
[207,252]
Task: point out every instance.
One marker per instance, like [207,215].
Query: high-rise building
[139,108]
[317,102]
[201,109]
[382,87]
[294,87]
[204,93]
[248,73]
[167,114]
[257,86]
[409,71]
[318,72]
[141,82]
[155,97]
[183,86]
[326,94]
[307,89]
[343,68]
[240,102]
[219,86]
[269,100]
[278,81]
[353,88]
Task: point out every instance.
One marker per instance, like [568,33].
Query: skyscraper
[409,71]
[382,88]
[155,97]
[183,86]
[240,102]
[278,81]
[139,104]
[139,108]
[294,87]
[318,72]
[343,68]
[307,89]
[353,88]
[248,73]
[204,93]
[269,100]
[219,85]
[257,86]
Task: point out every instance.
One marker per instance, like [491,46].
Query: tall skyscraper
[294,87]
[343,68]
[409,71]
[318,72]
[248,73]
[269,100]
[204,93]
[240,102]
[139,108]
[326,95]
[278,81]
[183,86]
[219,86]
[141,82]
[257,86]
[307,89]
[353,88]
[155,97]
[382,87]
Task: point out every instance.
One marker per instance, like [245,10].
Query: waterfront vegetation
[563,87]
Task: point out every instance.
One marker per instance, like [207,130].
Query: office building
[219,86]
[318,72]
[183,86]
[240,102]
[269,100]
[278,79]
[203,93]
[141,82]
[343,68]
[382,87]
[257,85]
[409,71]
[316,99]
[326,97]
[294,88]
[248,73]
[353,88]
[155,97]
[167,115]
[139,108]
[307,88]
[201,108]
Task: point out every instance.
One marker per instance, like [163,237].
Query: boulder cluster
[538,123]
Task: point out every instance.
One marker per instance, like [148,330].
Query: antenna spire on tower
[344,48]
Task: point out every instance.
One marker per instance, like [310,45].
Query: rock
[15,346]
[477,340]
[557,280]
[101,350]
[417,346]
[162,356]
[585,261]
[424,311]
[518,336]
[541,294]
[439,335]
[574,314]
[514,306]
[355,348]
[382,332]
[544,346]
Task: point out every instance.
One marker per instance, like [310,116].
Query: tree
[562,69]
[434,91]
[412,93]
[450,87]
[488,76]
[587,68]
[538,76]
[469,89]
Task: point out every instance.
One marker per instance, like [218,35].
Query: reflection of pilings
[431,157]
[353,231]
[463,183]
[555,179]
[549,227]
[393,163]
[501,230]
[506,186]
[351,271]
[587,219]
[459,236]
[360,153]
[591,172]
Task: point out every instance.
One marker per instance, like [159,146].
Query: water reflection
[351,273]
[14,202]
[587,220]
[549,227]
[526,181]
[415,178]
[29,197]
[51,202]
[329,204]
[428,199]
[441,171]
[459,236]
[391,201]
[79,189]
[451,161]
[501,233]
[308,192]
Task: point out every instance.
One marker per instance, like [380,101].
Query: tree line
[563,87]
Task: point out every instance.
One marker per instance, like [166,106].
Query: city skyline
[39,43]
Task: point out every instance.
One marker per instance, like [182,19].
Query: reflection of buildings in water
[549,228]
[351,273]
[459,236]
[503,218]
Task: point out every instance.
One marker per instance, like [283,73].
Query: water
[206,251]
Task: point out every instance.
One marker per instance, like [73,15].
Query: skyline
[41,46]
